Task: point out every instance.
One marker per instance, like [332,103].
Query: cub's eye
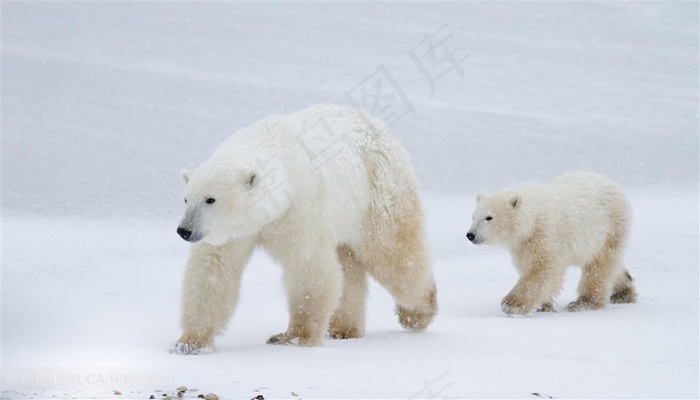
[210,200]
[185,201]
[489,218]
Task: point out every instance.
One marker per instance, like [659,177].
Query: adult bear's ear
[479,197]
[185,175]
[516,201]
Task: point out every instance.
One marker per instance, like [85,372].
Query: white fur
[578,219]
[330,193]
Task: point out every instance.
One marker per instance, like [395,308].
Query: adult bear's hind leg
[623,291]
[418,318]
[401,263]
[393,247]
[348,321]
[314,289]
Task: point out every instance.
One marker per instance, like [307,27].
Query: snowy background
[104,104]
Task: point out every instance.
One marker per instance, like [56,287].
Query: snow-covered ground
[103,104]
[101,298]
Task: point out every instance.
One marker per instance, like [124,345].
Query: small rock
[200,396]
[117,393]
[258,397]
[182,389]
[294,394]
[211,396]
[152,397]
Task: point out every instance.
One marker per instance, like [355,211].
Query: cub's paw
[292,340]
[583,304]
[191,348]
[513,305]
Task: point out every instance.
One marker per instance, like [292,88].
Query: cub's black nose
[470,236]
[184,233]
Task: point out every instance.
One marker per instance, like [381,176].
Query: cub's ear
[185,175]
[479,197]
[252,179]
[516,201]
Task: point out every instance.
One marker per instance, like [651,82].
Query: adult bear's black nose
[184,233]
[470,236]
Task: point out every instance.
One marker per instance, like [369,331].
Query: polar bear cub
[579,219]
[330,193]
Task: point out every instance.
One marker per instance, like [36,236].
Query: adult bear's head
[229,197]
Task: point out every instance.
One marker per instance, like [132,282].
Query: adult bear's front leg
[210,293]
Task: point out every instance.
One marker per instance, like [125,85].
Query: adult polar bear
[331,194]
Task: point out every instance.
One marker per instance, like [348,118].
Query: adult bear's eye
[185,201]
[489,218]
[211,200]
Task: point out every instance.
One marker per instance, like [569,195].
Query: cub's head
[498,219]
[225,202]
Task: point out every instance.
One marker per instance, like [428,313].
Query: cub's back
[592,192]
[590,209]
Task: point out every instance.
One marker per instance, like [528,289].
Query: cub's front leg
[519,300]
[210,293]
[537,287]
